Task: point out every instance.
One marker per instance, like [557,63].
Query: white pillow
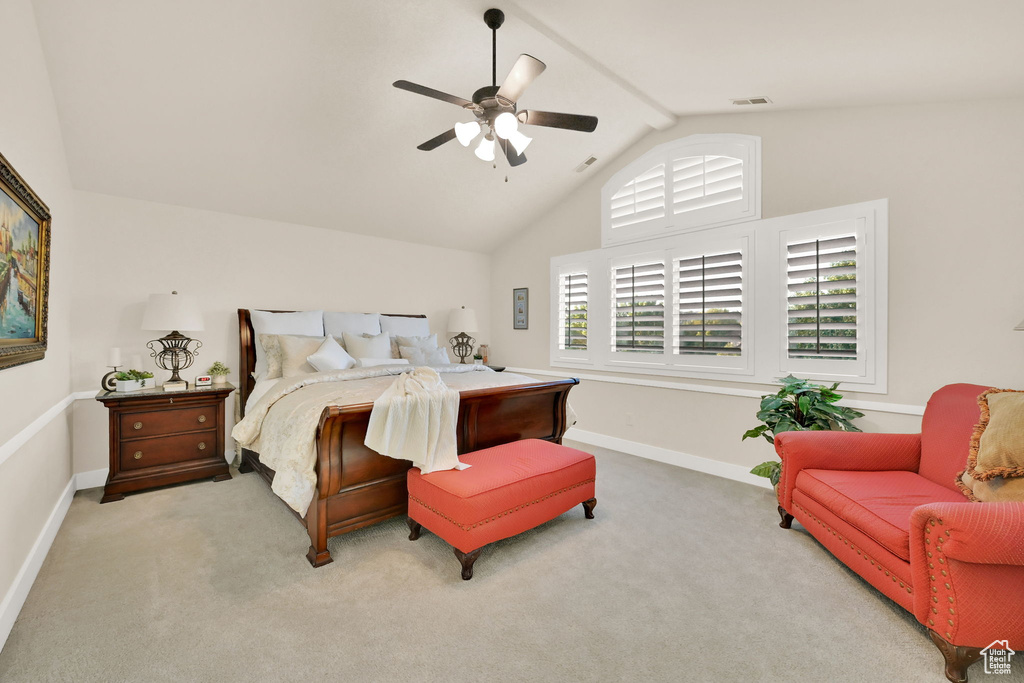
[406,327]
[330,356]
[419,356]
[358,346]
[294,351]
[336,324]
[274,356]
[425,343]
[307,323]
[371,362]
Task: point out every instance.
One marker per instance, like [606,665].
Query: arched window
[696,182]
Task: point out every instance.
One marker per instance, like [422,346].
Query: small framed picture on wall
[521,308]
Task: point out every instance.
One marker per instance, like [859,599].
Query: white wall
[953,176]
[131,248]
[35,455]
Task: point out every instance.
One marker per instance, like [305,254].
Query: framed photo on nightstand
[521,308]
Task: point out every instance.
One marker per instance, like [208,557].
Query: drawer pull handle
[137,425]
[202,418]
[202,445]
[138,455]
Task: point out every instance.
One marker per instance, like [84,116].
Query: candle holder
[109,381]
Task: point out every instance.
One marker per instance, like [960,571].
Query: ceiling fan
[495,107]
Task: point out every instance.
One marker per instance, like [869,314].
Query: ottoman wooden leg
[467,560]
[588,507]
[414,528]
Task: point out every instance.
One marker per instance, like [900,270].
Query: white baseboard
[15,598]
[91,479]
[690,462]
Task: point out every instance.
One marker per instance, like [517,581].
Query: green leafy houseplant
[132,375]
[799,406]
[219,368]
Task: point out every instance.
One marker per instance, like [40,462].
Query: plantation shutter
[572,302]
[702,181]
[639,307]
[822,299]
[710,304]
[641,199]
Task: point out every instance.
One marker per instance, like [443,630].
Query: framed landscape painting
[24,270]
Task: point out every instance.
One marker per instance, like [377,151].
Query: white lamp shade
[519,141]
[465,132]
[1020,326]
[462,320]
[170,312]
[485,150]
[505,125]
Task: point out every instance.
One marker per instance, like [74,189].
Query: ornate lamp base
[174,354]
[462,346]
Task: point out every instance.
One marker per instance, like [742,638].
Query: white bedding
[262,387]
[281,424]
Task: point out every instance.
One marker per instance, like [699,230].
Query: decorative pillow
[425,343]
[371,362]
[309,323]
[378,346]
[330,356]
[271,345]
[396,325]
[420,356]
[294,351]
[337,324]
[995,464]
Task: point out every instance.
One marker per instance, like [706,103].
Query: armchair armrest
[843,451]
[980,533]
[967,568]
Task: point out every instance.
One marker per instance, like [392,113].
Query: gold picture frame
[24,270]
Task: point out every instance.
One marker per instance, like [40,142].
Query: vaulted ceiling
[284,109]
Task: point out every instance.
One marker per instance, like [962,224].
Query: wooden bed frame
[356,486]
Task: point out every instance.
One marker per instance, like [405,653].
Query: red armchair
[886,505]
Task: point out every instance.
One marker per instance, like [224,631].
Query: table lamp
[173,312]
[462,320]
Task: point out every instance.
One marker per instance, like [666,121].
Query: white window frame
[571,357]
[764,355]
[744,147]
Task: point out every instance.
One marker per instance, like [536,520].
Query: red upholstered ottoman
[509,489]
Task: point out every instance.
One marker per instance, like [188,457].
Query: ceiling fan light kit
[495,108]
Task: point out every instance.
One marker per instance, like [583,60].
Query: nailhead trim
[517,508]
[948,585]
[847,542]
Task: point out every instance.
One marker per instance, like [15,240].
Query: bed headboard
[247,350]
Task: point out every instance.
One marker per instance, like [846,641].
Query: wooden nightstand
[160,437]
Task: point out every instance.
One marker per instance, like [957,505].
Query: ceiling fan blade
[551,119]
[522,74]
[514,158]
[430,92]
[434,143]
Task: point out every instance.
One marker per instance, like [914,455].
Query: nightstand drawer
[158,422]
[142,453]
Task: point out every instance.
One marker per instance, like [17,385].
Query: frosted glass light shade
[465,132]
[519,141]
[171,312]
[505,125]
[485,150]
[462,320]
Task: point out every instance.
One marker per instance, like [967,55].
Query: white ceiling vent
[586,164]
[753,100]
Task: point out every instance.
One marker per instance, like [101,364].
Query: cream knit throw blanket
[415,419]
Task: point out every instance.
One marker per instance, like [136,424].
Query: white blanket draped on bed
[415,419]
[281,427]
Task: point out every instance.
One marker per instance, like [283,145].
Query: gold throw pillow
[995,464]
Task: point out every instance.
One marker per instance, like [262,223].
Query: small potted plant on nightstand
[220,372]
[478,358]
[133,380]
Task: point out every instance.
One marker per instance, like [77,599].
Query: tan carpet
[681,576]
